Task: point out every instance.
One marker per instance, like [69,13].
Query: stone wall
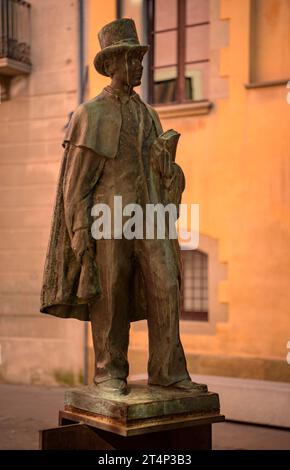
[36,348]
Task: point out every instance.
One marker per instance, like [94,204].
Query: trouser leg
[167,363]
[109,314]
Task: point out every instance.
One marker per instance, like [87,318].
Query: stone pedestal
[148,417]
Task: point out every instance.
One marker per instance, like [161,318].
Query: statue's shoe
[117,386]
[190,386]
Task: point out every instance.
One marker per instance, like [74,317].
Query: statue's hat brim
[107,52]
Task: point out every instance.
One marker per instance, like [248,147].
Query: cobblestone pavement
[26,409]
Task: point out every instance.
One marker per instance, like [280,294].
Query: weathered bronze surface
[115,145]
[142,402]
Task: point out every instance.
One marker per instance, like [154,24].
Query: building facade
[217,72]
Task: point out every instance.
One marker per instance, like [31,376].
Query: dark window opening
[194,295]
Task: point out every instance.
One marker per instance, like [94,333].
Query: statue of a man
[113,147]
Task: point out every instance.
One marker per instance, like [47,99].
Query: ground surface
[26,409]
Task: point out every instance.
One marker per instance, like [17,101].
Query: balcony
[14,41]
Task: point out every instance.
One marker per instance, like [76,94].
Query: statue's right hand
[83,242]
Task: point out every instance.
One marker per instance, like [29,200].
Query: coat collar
[119,95]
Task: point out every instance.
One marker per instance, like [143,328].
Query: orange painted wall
[237,166]
[97,15]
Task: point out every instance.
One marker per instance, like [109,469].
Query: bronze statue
[115,145]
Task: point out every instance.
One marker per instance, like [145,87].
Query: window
[270,40]
[15,30]
[178,34]
[14,42]
[194,297]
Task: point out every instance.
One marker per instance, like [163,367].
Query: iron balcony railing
[15,30]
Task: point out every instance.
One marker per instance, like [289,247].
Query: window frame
[196,315]
[181,52]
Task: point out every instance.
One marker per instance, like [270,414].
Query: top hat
[119,35]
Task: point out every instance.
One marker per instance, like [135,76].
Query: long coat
[68,285]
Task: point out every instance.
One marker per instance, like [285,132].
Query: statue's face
[131,73]
[135,69]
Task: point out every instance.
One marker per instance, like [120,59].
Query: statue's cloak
[69,286]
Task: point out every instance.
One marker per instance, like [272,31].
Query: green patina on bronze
[143,402]
[115,145]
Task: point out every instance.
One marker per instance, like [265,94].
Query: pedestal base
[145,407]
[147,418]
